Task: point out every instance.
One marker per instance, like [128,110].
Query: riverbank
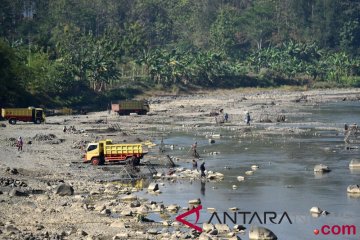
[100,208]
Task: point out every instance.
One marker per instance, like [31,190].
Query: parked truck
[140,107]
[30,114]
[97,153]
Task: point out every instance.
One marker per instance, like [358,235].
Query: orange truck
[97,153]
[30,114]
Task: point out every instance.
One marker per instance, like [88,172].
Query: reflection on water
[283,161]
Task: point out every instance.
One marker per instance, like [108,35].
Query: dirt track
[51,157]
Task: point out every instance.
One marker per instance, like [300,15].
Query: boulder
[355,163]
[254,167]
[130,197]
[261,233]
[214,232]
[204,236]
[222,228]
[173,208]
[122,236]
[135,204]
[321,168]
[153,187]
[126,213]
[353,189]
[316,210]
[207,227]
[152,231]
[195,201]
[249,172]
[240,178]
[17,193]
[238,228]
[64,190]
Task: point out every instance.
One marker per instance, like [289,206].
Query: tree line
[86,52]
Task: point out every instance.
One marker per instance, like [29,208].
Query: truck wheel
[37,121]
[95,161]
[136,161]
[12,121]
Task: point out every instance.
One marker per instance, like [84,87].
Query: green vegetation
[87,52]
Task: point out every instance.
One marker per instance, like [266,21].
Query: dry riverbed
[46,192]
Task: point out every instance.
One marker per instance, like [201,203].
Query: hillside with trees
[88,52]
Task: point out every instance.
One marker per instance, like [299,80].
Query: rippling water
[285,181]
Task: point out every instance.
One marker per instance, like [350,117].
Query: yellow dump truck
[105,151]
[140,107]
[30,114]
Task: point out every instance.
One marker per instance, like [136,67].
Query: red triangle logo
[181,217]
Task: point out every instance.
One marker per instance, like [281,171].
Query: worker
[202,169]
[194,164]
[194,151]
[64,129]
[226,117]
[247,118]
[19,143]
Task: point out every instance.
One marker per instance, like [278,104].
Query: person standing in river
[194,150]
[194,164]
[247,118]
[202,169]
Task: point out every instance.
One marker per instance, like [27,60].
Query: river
[285,182]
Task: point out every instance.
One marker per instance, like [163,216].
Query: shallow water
[285,181]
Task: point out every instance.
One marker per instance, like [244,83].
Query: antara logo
[181,217]
[247,218]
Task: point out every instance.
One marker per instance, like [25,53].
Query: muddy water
[284,182]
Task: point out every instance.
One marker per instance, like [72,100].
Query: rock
[355,163]
[106,211]
[64,190]
[204,236]
[315,210]
[321,168]
[152,231]
[239,228]
[234,187]
[207,227]
[9,228]
[135,204]
[81,233]
[214,232]
[254,167]
[222,228]
[240,178]
[211,140]
[117,224]
[127,213]
[195,201]
[235,238]
[122,236]
[261,233]
[172,208]
[249,172]
[233,209]
[211,209]
[153,187]
[353,189]
[130,197]
[17,193]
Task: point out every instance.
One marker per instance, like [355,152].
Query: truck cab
[95,152]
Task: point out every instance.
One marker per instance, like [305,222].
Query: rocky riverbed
[46,192]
